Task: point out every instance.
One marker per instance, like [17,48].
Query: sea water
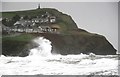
[41,62]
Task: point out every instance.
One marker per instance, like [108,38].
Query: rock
[76,44]
[70,39]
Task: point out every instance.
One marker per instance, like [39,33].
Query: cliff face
[71,40]
[61,44]
[76,44]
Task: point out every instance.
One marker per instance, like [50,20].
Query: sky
[95,17]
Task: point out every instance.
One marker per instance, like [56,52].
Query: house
[55,28]
[36,20]
[23,26]
[47,14]
[40,20]
[21,18]
[28,30]
[25,23]
[0,19]
[45,28]
[38,24]
[21,22]
[44,20]
[52,19]
[37,30]
[5,29]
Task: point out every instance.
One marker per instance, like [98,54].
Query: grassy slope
[85,41]
[16,45]
[63,20]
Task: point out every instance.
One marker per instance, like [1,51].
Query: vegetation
[16,45]
[10,22]
[71,40]
[64,20]
[22,38]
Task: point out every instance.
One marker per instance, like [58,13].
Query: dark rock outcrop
[76,44]
[62,44]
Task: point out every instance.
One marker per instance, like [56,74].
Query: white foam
[41,61]
[44,48]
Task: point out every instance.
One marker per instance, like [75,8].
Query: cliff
[76,44]
[61,44]
[70,40]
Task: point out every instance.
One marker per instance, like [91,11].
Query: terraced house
[38,24]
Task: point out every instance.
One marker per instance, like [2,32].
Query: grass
[22,37]
[16,44]
[65,21]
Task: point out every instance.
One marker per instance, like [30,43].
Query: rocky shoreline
[61,44]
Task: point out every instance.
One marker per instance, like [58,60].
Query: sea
[42,62]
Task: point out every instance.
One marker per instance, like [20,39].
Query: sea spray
[41,61]
[44,48]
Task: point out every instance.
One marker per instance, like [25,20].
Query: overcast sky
[95,17]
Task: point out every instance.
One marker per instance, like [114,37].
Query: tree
[7,23]
[16,18]
[25,17]
[4,21]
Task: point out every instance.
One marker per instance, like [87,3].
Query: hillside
[65,21]
[70,40]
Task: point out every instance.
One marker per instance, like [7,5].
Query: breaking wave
[41,61]
[44,48]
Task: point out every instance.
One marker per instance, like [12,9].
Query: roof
[52,17]
[55,26]
[23,22]
[36,19]
[44,26]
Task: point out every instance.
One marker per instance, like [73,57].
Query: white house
[52,19]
